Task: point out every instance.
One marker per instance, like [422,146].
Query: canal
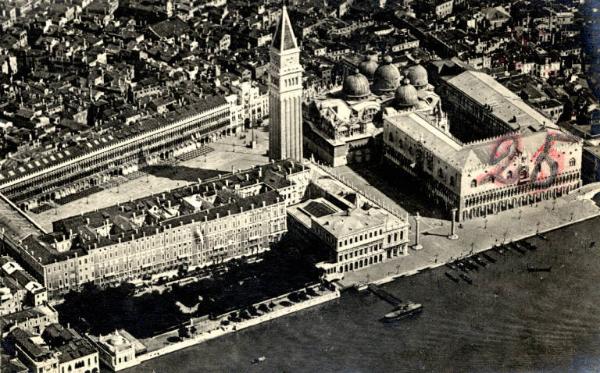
[508,320]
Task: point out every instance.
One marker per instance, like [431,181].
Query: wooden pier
[384,295]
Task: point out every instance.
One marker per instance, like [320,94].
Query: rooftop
[503,103]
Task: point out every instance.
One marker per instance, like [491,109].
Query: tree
[183,332]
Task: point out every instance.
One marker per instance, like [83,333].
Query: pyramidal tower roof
[284,38]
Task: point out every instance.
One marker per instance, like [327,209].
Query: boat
[528,245]
[466,278]
[259,359]
[489,258]
[517,248]
[462,267]
[451,266]
[471,263]
[480,261]
[403,311]
[452,277]
[531,268]
[543,237]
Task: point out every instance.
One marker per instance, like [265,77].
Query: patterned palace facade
[521,160]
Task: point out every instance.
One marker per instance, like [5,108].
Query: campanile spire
[285,93]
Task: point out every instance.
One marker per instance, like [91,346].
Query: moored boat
[452,277]
[532,268]
[466,278]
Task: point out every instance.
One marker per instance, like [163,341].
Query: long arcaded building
[84,165]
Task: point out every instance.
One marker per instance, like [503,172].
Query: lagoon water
[509,320]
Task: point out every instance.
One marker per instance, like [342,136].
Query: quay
[210,329]
[479,235]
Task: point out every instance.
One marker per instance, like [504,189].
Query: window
[523,174]
[572,162]
[451,180]
[509,175]
[473,183]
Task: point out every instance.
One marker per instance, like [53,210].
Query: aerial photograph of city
[299,186]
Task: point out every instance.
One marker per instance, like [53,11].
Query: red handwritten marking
[508,147]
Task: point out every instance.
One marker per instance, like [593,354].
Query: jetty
[386,296]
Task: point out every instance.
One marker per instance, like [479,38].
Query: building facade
[285,94]
[83,166]
[344,126]
[480,107]
[485,176]
[355,232]
[201,224]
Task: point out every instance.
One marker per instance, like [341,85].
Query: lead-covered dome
[356,86]
[387,77]
[406,95]
[368,66]
[417,76]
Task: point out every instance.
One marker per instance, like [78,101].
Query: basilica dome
[368,66]
[356,86]
[406,94]
[387,77]
[417,76]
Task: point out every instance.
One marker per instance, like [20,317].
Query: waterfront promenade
[509,320]
[207,329]
[479,235]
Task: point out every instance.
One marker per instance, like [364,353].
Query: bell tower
[285,93]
